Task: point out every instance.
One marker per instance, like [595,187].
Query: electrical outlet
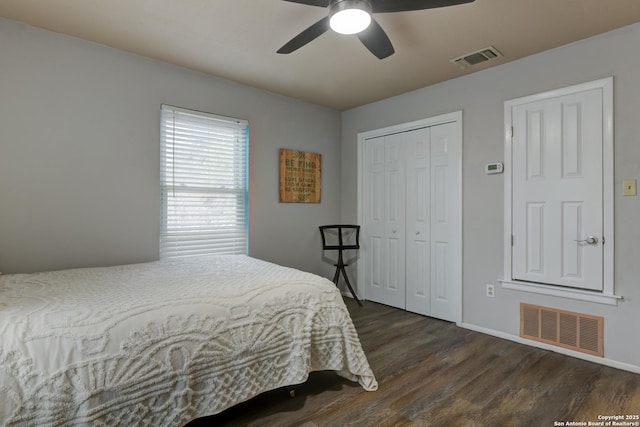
[491,291]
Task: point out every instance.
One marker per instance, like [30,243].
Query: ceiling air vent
[476,57]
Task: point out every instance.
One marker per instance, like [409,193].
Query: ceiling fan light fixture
[349,16]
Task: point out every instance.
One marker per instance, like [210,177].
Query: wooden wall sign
[300,176]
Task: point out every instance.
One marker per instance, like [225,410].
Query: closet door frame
[456,162]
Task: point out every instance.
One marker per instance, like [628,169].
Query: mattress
[165,342]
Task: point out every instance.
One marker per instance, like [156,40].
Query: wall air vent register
[575,331]
[477,57]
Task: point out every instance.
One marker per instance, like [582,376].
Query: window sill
[538,288]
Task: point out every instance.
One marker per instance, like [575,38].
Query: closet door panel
[418,185]
[395,224]
[385,220]
[443,192]
[374,224]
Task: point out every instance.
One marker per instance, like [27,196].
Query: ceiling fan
[354,17]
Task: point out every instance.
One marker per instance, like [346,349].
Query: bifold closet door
[418,218]
[385,208]
[445,178]
[409,220]
[430,184]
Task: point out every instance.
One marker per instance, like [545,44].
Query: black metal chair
[347,241]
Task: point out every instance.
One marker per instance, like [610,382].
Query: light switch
[629,187]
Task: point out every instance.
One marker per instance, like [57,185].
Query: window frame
[203,133]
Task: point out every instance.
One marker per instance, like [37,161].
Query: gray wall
[481,96]
[79,161]
[79,155]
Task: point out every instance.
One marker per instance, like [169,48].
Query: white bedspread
[161,343]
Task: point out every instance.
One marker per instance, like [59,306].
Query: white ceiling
[238,39]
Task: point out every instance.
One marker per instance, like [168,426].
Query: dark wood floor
[432,373]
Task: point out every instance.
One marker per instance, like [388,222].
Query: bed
[165,342]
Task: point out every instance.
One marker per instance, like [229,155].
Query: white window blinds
[204,194]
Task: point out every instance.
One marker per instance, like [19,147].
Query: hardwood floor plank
[432,373]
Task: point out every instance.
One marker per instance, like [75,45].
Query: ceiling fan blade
[306,36]
[376,40]
[383,6]
[319,3]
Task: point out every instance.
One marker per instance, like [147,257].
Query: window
[204,192]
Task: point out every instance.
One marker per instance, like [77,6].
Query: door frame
[607,296]
[456,238]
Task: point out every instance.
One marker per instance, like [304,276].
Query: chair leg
[340,267]
[336,277]
[346,279]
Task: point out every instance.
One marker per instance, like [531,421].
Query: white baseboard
[600,360]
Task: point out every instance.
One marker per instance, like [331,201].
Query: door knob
[591,240]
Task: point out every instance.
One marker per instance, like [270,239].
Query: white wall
[79,155]
[481,96]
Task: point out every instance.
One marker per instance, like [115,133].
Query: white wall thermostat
[492,168]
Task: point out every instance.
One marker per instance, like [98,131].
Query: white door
[410,189]
[557,188]
[385,221]
[444,220]
[418,271]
